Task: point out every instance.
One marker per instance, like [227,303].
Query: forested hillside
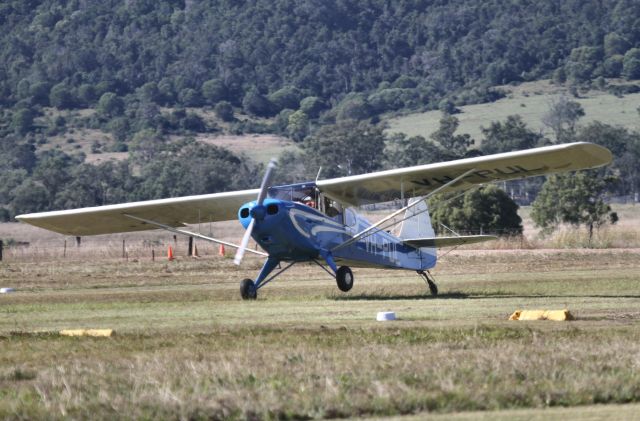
[140,71]
[189,53]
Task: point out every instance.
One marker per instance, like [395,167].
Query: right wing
[448,241]
[174,212]
[423,179]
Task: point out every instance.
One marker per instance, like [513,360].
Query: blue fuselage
[292,231]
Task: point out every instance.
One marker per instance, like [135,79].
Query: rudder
[417,223]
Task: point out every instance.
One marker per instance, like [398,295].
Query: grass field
[260,148]
[75,140]
[531,101]
[187,347]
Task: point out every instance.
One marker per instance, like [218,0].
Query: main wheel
[248,290]
[344,278]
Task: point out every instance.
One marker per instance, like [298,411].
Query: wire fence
[145,248]
[105,249]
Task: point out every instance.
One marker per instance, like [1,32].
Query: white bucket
[385,316]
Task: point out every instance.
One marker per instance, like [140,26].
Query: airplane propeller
[257,212]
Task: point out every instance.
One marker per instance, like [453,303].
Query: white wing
[423,179]
[174,212]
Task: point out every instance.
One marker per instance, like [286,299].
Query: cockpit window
[303,193]
[333,210]
[350,218]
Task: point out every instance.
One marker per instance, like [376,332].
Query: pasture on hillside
[531,101]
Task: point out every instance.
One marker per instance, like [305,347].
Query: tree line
[158,168]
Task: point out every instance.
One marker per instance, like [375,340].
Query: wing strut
[190,234]
[364,232]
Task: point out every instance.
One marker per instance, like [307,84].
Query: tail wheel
[248,290]
[344,278]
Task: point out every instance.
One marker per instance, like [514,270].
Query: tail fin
[418,222]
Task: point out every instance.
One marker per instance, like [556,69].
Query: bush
[287,97]
[224,111]
[61,97]
[194,123]
[5,215]
[485,210]
[354,107]
[190,98]
[214,91]
[256,104]
[312,106]
[110,105]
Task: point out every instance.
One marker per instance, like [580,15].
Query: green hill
[155,82]
[531,101]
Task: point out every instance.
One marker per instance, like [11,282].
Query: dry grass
[337,373]
[187,347]
[258,147]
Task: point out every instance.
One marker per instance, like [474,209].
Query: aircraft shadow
[461,295]
[426,296]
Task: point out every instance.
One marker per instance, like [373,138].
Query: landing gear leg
[428,278]
[343,275]
[249,289]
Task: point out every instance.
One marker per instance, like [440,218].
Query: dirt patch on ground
[99,158]
[243,143]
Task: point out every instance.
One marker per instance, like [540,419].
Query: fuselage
[293,231]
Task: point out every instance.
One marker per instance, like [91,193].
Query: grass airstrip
[187,347]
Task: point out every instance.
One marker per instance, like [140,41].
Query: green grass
[188,347]
[531,101]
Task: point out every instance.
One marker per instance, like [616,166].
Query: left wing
[424,179]
[174,212]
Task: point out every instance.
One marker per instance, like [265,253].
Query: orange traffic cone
[170,254]
[221,250]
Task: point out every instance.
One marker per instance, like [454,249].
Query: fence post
[123,248]
[78,240]
[153,255]
[1,244]
[190,252]
[64,253]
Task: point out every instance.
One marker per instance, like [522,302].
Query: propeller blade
[264,188]
[243,245]
[266,180]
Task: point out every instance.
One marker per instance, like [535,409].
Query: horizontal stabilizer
[448,241]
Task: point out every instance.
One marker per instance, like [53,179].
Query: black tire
[433,288]
[248,290]
[344,278]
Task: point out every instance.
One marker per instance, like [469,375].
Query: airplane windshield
[302,193]
[309,195]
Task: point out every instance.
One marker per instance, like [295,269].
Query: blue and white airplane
[317,221]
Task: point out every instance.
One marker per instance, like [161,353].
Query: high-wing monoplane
[317,222]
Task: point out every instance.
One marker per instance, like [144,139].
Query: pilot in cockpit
[308,197]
